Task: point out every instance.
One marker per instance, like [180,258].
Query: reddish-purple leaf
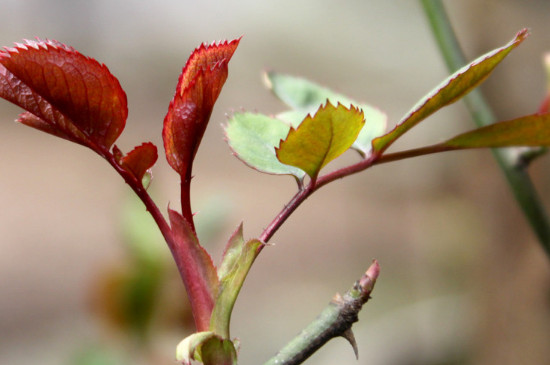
[198,88]
[33,121]
[139,160]
[196,268]
[64,92]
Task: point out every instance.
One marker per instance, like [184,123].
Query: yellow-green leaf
[238,257]
[530,130]
[321,138]
[304,97]
[453,88]
[527,131]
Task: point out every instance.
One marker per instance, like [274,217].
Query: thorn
[348,335]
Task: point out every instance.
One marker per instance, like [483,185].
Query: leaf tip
[522,34]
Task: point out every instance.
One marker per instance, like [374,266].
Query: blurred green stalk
[509,160]
[335,320]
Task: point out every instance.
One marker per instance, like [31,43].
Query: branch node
[338,299]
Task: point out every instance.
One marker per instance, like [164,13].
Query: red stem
[180,254]
[373,159]
[298,199]
[150,205]
[415,152]
[186,212]
[313,186]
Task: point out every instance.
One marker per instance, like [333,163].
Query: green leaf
[321,138]
[253,138]
[236,262]
[293,117]
[375,126]
[231,254]
[449,91]
[530,130]
[306,97]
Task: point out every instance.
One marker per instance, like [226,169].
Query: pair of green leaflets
[307,137]
[322,124]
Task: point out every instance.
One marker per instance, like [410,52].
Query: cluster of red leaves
[74,97]
[70,96]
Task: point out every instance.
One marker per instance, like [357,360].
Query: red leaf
[67,94]
[139,160]
[198,88]
[32,120]
[196,268]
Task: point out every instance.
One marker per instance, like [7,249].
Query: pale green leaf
[253,138]
[208,348]
[188,348]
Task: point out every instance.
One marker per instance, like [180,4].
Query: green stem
[334,321]
[508,159]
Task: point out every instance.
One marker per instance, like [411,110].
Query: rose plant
[74,97]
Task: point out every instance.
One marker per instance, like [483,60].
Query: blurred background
[463,278]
